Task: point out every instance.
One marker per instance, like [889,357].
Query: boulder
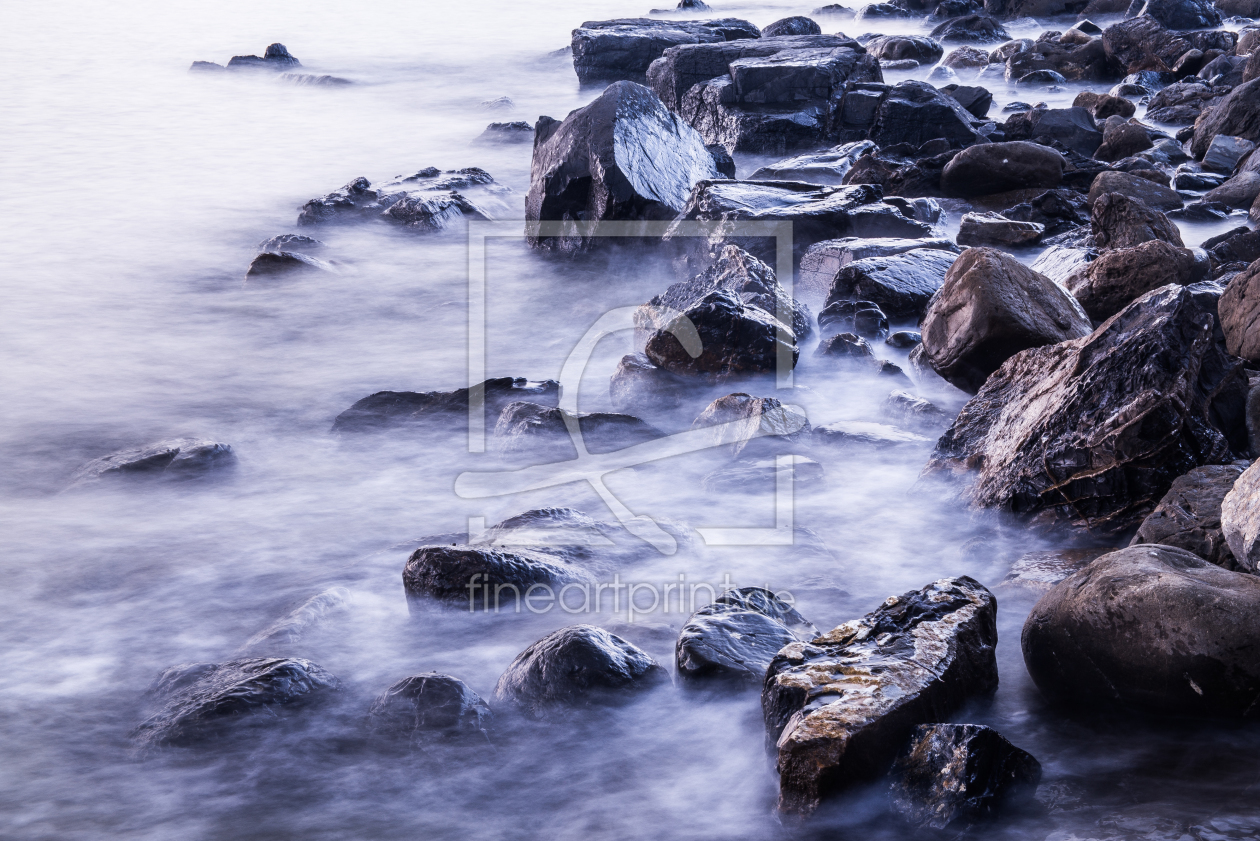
[401,409]
[1122,139]
[1073,127]
[733,640]
[424,202]
[990,308]
[976,29]
[1181,103]
[1104,105]
[1189,515]
[624,157]
[915,112]
[1225,152]
[965,57]
[735,339]
[1119,221]
[1121,276]
[1089,434]
[201,700]
[847,346]
[637,386]
[952,776]
[483,578]
[1055,61]
[1058,210]
[1143,43]
[1237,115]
[864,318]
[1149,628]
[574,668]
[900,284]
[272,264]
[176,459]
[975,100]
[517,131]
[827,167]
[430,704]
[743,425]
[839,708]
[275,58]
[798,25]
[1240,191]
[996,229]
[615,50]
[542,432]
[1240,520]
[903,47]
[824,260]
[1241,245]
[1239,310]
[1181,14]
[1002,167]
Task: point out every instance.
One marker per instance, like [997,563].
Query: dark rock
[839,708]
[1192,180]
[1189,515]
[272,264]
[884,10]
[735,339]
[722,160]
[1239,310]
[1149,627]
[833,10]
[1090,433]
[430,704]
[1182,14]
[577,667]
[390,409]
[1073,127]
[1042,78]
[355,200]
[623,157]
[290,243]
[1143,43]
[902,47]
[861,317]
[1237,115]
[744,425]
[990,308]
[901,284]
[791,26]
[845,346]
[915,112]
[638,385]
[904,339]
[1241,245]
[200,700]
[976,29]
[431,212]
[824,260]
[1224,153]
[1057,210]
[952,776]
[1121,276]
[975,100]
[614,50]
[543,432]
[1122,139]
[995,229]
[173,459]
[1002,167]
[1104,105]
[483,578]
[206,67]
[1225,71]
[1241,190]
[964,57]
[276,57]
[734,639]
[314,80]
[518,131]
[1119,221]
[1083,62]
[827,167]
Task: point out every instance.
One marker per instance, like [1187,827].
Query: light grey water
[135,196]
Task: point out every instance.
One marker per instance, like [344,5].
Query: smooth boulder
[733,639]
[430,704]
[485,578]
[1002,167]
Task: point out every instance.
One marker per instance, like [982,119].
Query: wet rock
[1002,167]
[1073,127]
[884,10]
[1060,263]
[1225,152]
[576,667]
[824,260]
[975,100]
[1239,310]
[744,425]
[615,50]
[915,112]
[272,264]
[900,284]
[798,25]
[1089,434]
[1242,245]
[1182,14]
[827,167]
[201,700]
[1149,627]
[178,459]
[395,409]
[952,776]
[1119,221]
[430,704]
[1040,571]
[1237,115]
[355,200]
[637,385]
[844,435]
[1143,43]
[990,308]
[905,409]
[1241,190]
[733,640]
[314,80]
[845,346]
[976,29]
[903,339]
[623,157]
[861,317]
[1058,210]
[432,212]
[291,627]
[1189,515]
[543,432]
[484,578]
[1121,276]
[995,229]
[517,131]
[838,709]
[276,57]
[735,339]
[1240,522]
[965,57]
[1122,140]
[1104,105]
[833,10]
[902,47]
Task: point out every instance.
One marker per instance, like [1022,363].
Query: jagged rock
[432,212]
[430,704]
[1002,167]
[884,10]
[735,339]
[977,29]
[996,229]
[734,639]
[1241,245]
[798,25]
[542,431]
[1241,190]
[485,579]
[990,308]
[1104,105]
[1182,14]
[276,58]
[902,47]
[864,318]
[391,409]
[1073,127]
[1181,103]
[827,167]
[1122,139]
[1189,515]
[576,667]
[1143,43]
[1058,210]
[623,157]
[434,206]
[845,346]
[1121,276]
[1090,433]
[638,385]
[952,776]
[201,700]
[1224,153]
[1149,627]
[173,459]
[905,409]
[975,100]
[838,709]
[1084,62]
[622,49]
[517,131]
[1240,522]
[915,112]
[900,284]
[1237,115]
[292,243]
[1239,310]
[1119,221]
[761,425]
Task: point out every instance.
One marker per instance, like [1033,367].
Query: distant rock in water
[734,639]
[622,49]
[309,79]
[542,433]
[485,579]
[798,25]
[275,58]
[401,409]
[427,705]
[429,200]
[176,458]
[517,131]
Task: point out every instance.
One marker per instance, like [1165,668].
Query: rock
[200,700]
[952,776]
[990,308]
[976,29]
[276,58]
[1143,43]
[901,284]
[1104,105]
[864,318]
[1151,628]
[845,346]
[1239,310]
[1239,191]
[517,131]
[1242,245]
[311,79]
[1058,210]
[392,409]
[355,200]
[733,640]
[735,339]
[827,167]
[1042,78]
[915,112]
[964,57]
[884,10]
[433,206]
[432,212]
[483,578]
[178,459]
[744,425]
[838,709]
[1121,276]
[1073,127]
[1089,434]
[623,157]
[995,229]
[1002,167]
[1119,221]
[1189,515]
[500,103]
[292,243]
[615,50]
[1060,264]
[904,339]
[638,385]
[1182,14]
[576,667]
[1040,571]
[833,10]
[901,47]
[1225,71]
[760,475]
[206,67]
[1239,521]
[905,409]
[430,704]
[975,100]
[1237,115]
[273,264]
[791,26]
[542,432]
[1224,153]
[824,260]
[1122,140]
[843,435]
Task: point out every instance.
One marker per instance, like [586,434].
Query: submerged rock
[542,432]
[844,435]
[756,475]
[622,49]
[483,578]
[761,424]
[393,409]
[430,704]
[637,386]
[734,639]
[175,458]
[271,264]
[1189,515]
[276,58]
[864,318]
[1039,571]
[839,709]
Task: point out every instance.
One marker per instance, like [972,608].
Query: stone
[864,318]
[1239,191]
[1182,14]
[624,157]
[517,131]
[1240,522]
[1237,115]
[542,432]
[1143,43]
[1119,221]
[315,80]
[904,339]
[990,308]
[483,578]
[901,285]
[427,705]
[1089,434]
[1073,127]
[964,57]
[975,100]
[824,260]
[622,49]
[827,167]
[952,776]
[1122,139]
[733,640]
[579,667]
[1189,515]
[976,29]
[1239,310]
[995,229]
[743,425]
[1242,245]
[902,47]
[206,67]
[884,10]
[915,112]
[798,25]
[1225,152]
[735,339]
[845,435]
[175,459]
[1120,276]
[1104,105]
[1058,210]
[637,385]
[1002,167]
[1060,263]
[276,58]
[409,409]
[202,700]
[1150,628]
[839,708]
[905,409]
[845,346]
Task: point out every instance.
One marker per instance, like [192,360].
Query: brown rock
[1239,311]
[1119,221]
[1119,277]
[1189,515]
